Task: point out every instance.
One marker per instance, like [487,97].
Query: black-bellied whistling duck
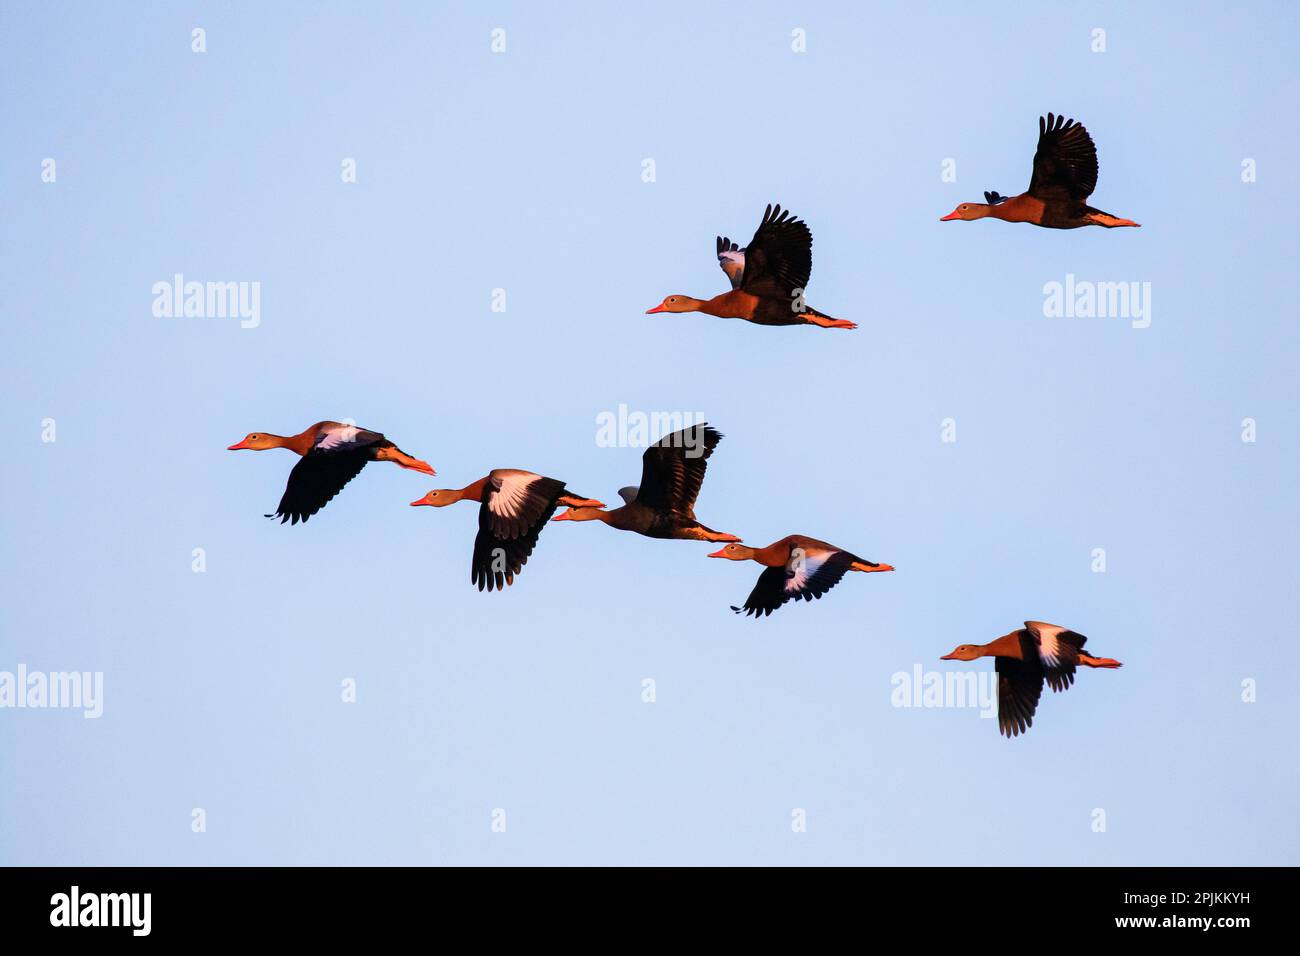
[768,278]
[1022,660]
[514,507]
[1065,174]
[796,567]
[332,454]
[663,505]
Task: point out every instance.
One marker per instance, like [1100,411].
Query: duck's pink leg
[717,536]
[826,322]
[574,502]
[1089,661]
[1110,222]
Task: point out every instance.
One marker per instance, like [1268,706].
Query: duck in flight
[768,278]
[514,506]
[1025,658]
[663,505]
[795,568]
[1065,174]
[331,455]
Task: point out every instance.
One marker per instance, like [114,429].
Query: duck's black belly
[672,526]
[1064,215]
[777,312]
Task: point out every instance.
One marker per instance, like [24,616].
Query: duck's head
[439,498]
[968,211]
[675,303]
[257,441]
[964,652]
[579,514]
[734,552]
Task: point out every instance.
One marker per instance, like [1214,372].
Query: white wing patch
[733,264]
[509,498]
[801,567]
[1050,647]
[336,436]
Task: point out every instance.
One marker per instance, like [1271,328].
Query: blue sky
[522,171]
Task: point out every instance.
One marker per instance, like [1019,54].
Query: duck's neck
[1008,645]
[773,556]
[614,517]
[725,306]
[1022,208]
[472,492]
[299,444]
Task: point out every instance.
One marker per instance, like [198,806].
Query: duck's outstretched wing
[1065,164]
[1020,685]
[809,572]
[516,507]
[672,469]
[1058,652]
[778,260]
[337,456]
[768,594]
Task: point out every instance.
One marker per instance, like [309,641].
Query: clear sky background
[522,171]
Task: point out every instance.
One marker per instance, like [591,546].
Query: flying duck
[768,278]
[796,567]
[514,507]
[1023,659]
[1065,174]
[332,454]
[663,505]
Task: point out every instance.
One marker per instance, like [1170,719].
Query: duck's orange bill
[657,308]
[720,553]
[951,215]
[238,445]
[949,657]
[419,502]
